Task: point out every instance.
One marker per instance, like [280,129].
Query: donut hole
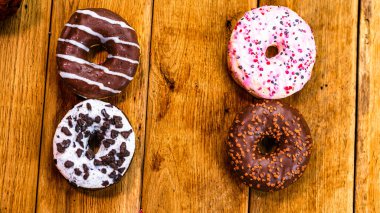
[268,145]
[98,54]
[95,140]
[271,51]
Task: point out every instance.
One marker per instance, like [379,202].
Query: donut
[271,52]
[269,145]
[89,124]
[97,27]
[8,8]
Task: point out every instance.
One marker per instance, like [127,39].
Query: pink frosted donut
[278,76]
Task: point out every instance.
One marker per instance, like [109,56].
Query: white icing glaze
[123,59]
[75,43]
[96,66]
[88,81]
[95,15]
[96,177]
[279,76]
[100,36]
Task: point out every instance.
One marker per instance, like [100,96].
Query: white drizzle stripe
[100,36]
[88,81]
[95,15]
[75,43]
[123,59]
[96,66]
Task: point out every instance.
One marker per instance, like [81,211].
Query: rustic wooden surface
[22,83]
[182,102]
[368,133]
[184,160]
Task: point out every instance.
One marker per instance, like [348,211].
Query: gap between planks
[43,104]
[356,102]
[147,102]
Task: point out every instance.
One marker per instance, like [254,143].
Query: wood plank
[54,193]
[368,134]
[192,103]
[23,52]
[328,104]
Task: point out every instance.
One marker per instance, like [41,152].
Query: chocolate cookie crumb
[85,176]
[98,162]
[126,134]
[105,183]
[66,143]
[77,171]
[118,121]
[90,154]
[60,148]
[112,175]
[88,105]
[97,119]
[79,152]
[69,164]
[121,170]
[105,114]
[114,134]
[85,168]
[66,131]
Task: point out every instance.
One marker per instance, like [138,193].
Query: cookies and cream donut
[93,27]
[8,8]
[91,123]
[269,145]
[280,29]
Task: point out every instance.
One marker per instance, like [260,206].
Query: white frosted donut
[93,121]
[282,75]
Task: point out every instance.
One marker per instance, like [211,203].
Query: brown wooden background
[182,102]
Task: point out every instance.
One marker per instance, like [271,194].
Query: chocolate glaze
[8,8]
[106,29]
[280,167]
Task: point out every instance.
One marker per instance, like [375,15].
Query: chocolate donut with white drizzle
[93,27]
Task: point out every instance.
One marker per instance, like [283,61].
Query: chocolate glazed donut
[269,145]
[93,27]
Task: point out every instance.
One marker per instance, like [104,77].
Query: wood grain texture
[192,103]
[54,193]
[328,104]
[368,133]
[23,52]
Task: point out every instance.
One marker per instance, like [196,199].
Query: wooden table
[182,102]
